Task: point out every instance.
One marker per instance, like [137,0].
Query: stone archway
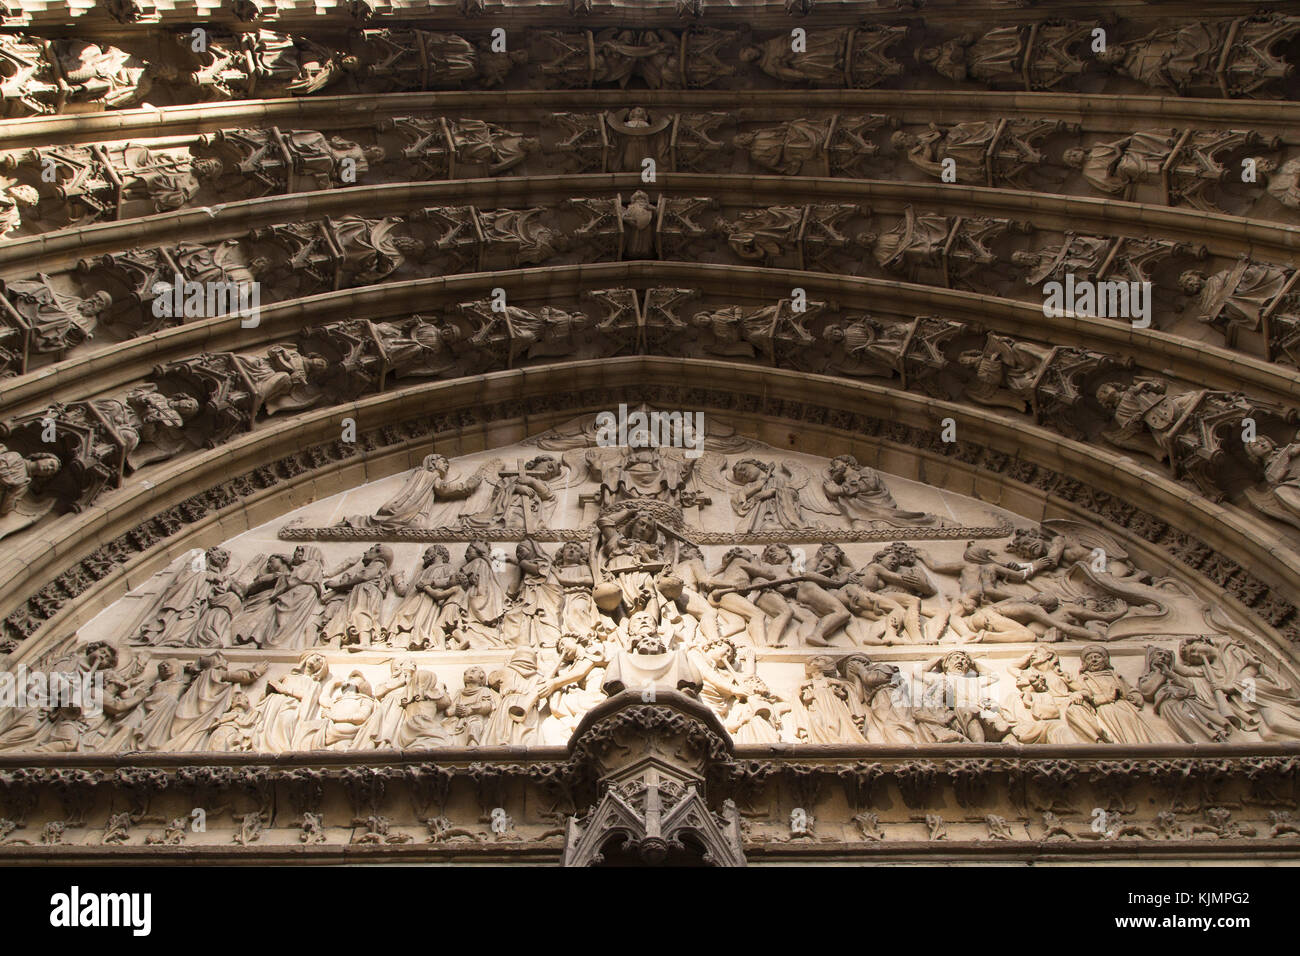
[992,318]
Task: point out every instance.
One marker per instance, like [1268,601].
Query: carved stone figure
[289,712]
[775,333]
[1235,299]
[573,572]
[21,502]
[371,250]
[516,719]
[994,58]
[477,143]
[17,202]
[1243,688]
[1182,699]
[413,504]
[522,235]
[431,614]
[207,700]
[416,705]
[1117,167]
[292,65]
[630,552]
[1281,472]
[951,707]
[470,709]
[58,320]
[812,147]
[982,152]
[648,662]
[1178,59]
[917,240]
[759,717]
[487,596]
[351,716]
[824,696]
[821,64]
[166,181]
[291,597]
[354,612]
[175,615]
[521,497]
[101,74]
[1131,407]
[572,687]
[775,495]
[862,497]
[150,425]
[873,702]
[1054,52]
[1115,704]
[297,160]
[28,84]
[1005,372]
[873,348]
[1284,184]
[1045,699]
[533,618]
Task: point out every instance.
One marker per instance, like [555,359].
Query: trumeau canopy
[360,564]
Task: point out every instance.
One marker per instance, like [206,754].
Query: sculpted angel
[773,495]
[522,497]
[864,499]
[412,505]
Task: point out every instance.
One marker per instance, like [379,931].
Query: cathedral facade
[595,432]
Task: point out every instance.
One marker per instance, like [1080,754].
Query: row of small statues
[294,259]
[1083,394]
[57,186]
[1205,690]
[1217,57]
[41,319]
[632,564]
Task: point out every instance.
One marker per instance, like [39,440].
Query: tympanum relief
[494,599]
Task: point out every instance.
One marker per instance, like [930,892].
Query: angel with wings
[412,505]
[862,496]
[772,495]
[523,497]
